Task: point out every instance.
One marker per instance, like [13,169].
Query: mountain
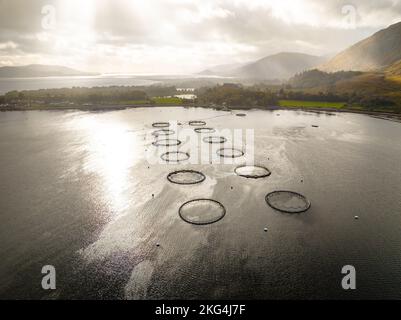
[37,70]
[220,69]
[372,54]
[279,66]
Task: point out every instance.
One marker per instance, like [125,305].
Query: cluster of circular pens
[207,211]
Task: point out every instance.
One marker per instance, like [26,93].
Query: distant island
[39,70]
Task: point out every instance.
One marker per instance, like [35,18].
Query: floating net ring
[252,172]
[166,143]
[163,132]
[214,140]
[230,153]
[186,177]
[202,211]
[204,130]
[160,125]
[197,123]
[175,156]
[288,201]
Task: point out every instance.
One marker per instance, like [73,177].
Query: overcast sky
[180,36]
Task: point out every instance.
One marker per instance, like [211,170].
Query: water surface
[77,192]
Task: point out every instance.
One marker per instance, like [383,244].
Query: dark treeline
[88,95]
[369,102]
[316,78]
[235,95]
[159,91]
[372,102]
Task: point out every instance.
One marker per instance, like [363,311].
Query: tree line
[89,95]
[236,95]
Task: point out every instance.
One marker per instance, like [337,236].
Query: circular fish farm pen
[163,132]
[175,156]
[214,140]
[202,211]
[197,123]
[288,201]
[160,125]
[252,172]
[230,153]
[205,130]
[166,143]
[186,177]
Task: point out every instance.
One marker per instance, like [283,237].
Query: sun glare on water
[111,153]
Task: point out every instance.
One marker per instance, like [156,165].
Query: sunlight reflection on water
[111,153]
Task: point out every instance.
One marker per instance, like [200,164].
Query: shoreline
[376,114]
[392,116]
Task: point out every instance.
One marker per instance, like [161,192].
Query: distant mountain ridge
[220,69]
[38,70]
[374,53]
[279,66]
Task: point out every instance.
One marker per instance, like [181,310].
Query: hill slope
[368,89]
[394,69]
[279,66]
[372,54]
[316,78]
[37,70]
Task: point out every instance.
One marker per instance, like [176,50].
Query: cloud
[164,36]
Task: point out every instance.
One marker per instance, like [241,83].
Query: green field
[311,104]
[167,100]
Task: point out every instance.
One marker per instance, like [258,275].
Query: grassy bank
[333,106]
[167,100]
[311,104]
